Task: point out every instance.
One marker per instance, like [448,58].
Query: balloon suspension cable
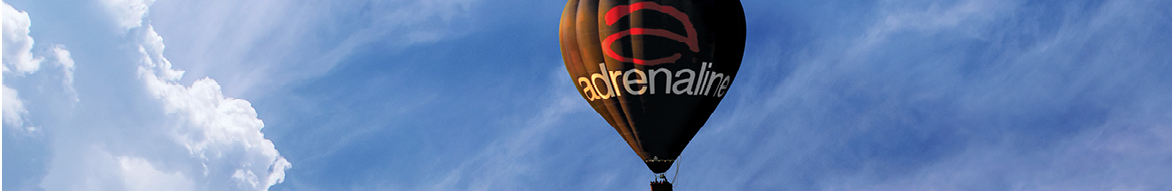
[675,171]
[660,183]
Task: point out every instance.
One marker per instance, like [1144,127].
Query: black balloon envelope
[655,70]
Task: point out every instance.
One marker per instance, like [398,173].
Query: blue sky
[472,95]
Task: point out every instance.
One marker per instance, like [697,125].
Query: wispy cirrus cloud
[932,95]
[258,47]
[833,95]
[500,164]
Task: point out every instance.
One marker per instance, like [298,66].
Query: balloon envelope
[655,70]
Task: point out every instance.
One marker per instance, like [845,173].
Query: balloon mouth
[659,166]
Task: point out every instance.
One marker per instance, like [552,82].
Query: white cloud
[936,18]
[20,60]
[18,45]
[19,57]
[518,156]
[65,62]
[255,47]
[138,174]
[15,114]
[969,90]
[189,138]
[212,125]
[14,111]
[128,14]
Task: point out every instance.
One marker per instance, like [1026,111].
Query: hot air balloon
[655,70]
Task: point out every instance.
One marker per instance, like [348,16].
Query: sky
[473,95]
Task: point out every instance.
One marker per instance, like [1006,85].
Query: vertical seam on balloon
[619,122]
[624,118]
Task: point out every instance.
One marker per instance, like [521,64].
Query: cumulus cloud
[65,62]
[128,14]
[222,133]
[19,60]
[212,127]
[212,123]
[188,137]
[18,45]
[138,174]
[13,108]
[24,64]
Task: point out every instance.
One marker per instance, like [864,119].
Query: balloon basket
[661,184]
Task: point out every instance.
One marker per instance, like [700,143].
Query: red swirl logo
[617,12]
